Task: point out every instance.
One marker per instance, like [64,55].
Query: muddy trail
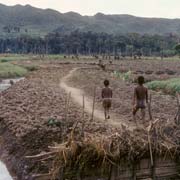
[77,96]
[164,106]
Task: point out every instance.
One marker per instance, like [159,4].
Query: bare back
[141,93]
[106,93]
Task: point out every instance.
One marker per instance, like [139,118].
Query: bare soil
[163,106]
[33,110]
[77,95]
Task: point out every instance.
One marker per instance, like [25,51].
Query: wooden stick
[67,105]
[42,176]
[45,159]
[83,106]
[67,108]
[149,107]
[69,100]
[41,155]
[94,96]
[83,115]
[150,147]
[58,147]
[177,117]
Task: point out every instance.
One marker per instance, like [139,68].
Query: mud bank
[5,84]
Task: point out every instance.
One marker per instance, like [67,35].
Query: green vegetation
[8,70]
[170,86]
[177,48]
[24,57]
[96,43]
[124,76]
[54,56]
[13,57]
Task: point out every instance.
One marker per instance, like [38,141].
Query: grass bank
[170,86]
[13,57]
[8,70]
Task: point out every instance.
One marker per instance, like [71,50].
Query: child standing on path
[140,98]
[107,99]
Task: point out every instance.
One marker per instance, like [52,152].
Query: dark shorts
[140,104]
[107,103]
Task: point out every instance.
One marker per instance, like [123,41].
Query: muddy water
[4,174]
[5,84]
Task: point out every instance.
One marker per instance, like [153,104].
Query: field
[45,127]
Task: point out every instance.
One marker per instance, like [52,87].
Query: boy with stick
[140,98]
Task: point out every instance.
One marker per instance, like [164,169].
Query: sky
[142,8]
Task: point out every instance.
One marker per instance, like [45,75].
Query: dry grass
[82,155]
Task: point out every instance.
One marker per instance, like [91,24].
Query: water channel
[5,84]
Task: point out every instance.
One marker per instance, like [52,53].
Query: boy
[140,97]
[107,99]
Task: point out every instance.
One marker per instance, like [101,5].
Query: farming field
[49,129]
[122,77]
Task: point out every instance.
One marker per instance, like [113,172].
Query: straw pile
[87,153]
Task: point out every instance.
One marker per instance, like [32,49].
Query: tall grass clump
[170,86]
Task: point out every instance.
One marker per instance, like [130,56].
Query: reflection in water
[6,83]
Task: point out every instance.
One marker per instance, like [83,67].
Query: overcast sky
[144,8]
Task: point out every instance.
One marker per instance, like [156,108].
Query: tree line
[90,43]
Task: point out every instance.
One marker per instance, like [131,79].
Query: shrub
[4,60]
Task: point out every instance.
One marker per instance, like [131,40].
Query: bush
[4,60]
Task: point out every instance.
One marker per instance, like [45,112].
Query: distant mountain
[15,20]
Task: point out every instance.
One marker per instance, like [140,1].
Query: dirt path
[77,96]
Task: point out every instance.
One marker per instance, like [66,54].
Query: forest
[91,43]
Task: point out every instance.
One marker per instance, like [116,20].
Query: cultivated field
[46,129]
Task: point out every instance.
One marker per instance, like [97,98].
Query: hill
[15,20]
